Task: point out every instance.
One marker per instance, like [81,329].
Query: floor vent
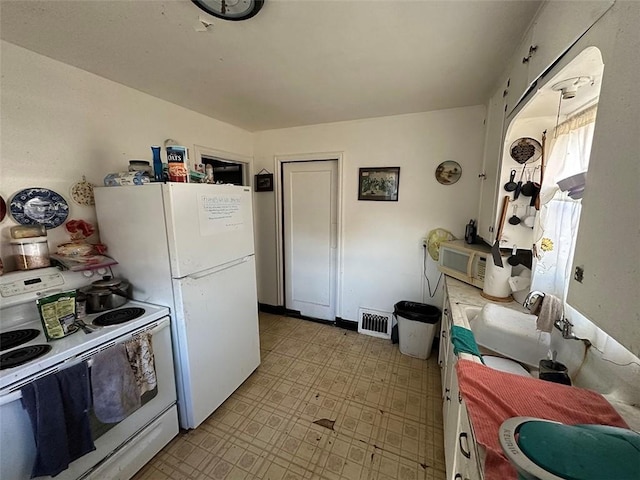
[374,323]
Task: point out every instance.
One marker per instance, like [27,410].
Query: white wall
[60,123]
[382,248]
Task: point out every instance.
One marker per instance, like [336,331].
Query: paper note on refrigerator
[221,213]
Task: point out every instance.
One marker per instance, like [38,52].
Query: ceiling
[298,62]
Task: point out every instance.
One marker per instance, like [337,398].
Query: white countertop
[463,296]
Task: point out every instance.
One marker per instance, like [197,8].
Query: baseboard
[281,310]
[273,309]
[346,324]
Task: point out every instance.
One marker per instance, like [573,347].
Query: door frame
[231,157]
[279,160]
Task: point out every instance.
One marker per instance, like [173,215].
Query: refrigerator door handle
[219,268]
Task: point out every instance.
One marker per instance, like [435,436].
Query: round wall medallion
[448,172]
[82,193]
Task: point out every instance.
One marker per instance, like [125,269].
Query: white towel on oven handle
[113,385]
[142,361]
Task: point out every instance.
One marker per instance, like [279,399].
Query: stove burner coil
[22,355]
[120,315]
[17,337]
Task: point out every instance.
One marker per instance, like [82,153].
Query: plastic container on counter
[30,253]
[28,231]
[140,166]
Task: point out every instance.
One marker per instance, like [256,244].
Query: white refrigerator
[191,247]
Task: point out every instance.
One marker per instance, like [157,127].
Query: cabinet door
[518,82]
[557,27]
[491,163]
[605,287]
[466,463]
[445,344]
[451,416]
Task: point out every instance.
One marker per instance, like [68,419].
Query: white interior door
[310,192]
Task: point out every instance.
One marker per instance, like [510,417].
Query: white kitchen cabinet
[466,465]
[460,450]
[518,78]
[557,26]
[444,345]
[607,252]
[494,125]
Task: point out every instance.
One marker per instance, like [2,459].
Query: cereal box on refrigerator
[178,166]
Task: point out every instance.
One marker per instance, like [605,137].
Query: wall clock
[230,9]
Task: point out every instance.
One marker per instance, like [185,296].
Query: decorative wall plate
[82,193]
[449,172]
[3,208]
[39,206]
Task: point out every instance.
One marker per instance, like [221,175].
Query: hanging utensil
[513,260]
[510,186]
[542,158]
[529,220]
[527,188]
[514,220]
[516,193]
[495,250]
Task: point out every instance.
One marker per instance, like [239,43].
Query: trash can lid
[419,312]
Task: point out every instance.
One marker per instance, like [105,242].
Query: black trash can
[417,326]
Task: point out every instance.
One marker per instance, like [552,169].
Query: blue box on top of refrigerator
[191,247]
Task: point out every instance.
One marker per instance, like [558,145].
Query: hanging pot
[510,186]
[106,294]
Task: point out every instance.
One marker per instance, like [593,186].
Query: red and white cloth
[492,396]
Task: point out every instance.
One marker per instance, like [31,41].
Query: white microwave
[463,261]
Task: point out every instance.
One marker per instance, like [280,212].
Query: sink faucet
[531,299]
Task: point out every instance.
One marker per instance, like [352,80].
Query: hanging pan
[525,150]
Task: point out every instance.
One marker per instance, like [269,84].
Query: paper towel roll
[496,279]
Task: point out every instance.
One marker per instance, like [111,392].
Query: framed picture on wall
[379,184]
[264,182]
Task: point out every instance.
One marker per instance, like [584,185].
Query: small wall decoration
[264,181]
[449,172]
[379,183]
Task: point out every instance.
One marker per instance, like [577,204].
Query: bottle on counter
[158,173]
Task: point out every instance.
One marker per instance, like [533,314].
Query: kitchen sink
[509,333]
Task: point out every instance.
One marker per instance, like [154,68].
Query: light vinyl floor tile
[325,404]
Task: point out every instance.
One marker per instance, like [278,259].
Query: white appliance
[191,247]
[463,261]
[120,450]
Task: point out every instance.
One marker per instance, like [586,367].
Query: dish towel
[113,384]
[492,396]
[464,342]
[76,399]
[58,407]
[141,359]
[549,310]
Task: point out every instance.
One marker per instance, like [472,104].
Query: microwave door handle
[472,256]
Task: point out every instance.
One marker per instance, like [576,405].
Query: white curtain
[556,229]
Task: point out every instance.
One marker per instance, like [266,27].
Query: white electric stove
[125,447]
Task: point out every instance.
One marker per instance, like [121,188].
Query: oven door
[16,437]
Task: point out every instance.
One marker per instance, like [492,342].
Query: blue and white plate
[41,206]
